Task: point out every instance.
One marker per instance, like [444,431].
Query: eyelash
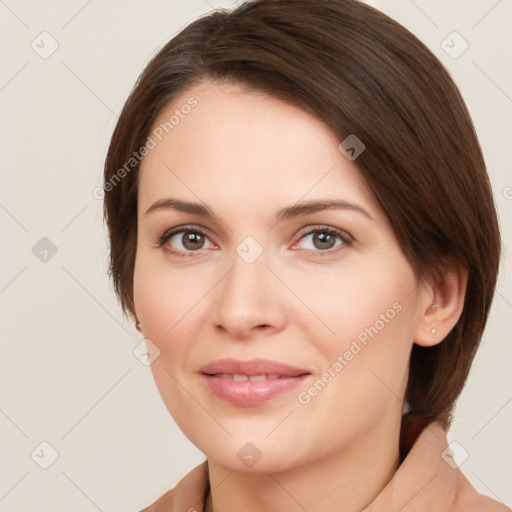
[346,239]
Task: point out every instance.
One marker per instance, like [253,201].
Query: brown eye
[325,240]
[183,241]
[192,240]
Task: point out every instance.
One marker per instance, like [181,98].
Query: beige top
[424,482]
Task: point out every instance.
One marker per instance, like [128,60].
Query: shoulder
[164,503]
[479,503]
[469,500]
[428,473]
[188,495]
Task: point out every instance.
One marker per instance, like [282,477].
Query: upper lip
[252,367]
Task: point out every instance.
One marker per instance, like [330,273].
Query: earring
[434,331]
[138,326]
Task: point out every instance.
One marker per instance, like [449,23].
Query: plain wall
[68,376]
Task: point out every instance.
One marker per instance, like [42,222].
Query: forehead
[225,142]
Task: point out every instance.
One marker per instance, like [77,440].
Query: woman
[302,228]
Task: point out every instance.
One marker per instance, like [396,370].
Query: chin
[273,463]
[259,456]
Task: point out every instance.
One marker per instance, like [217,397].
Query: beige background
[68,376]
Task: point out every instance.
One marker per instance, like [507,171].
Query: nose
[248,299]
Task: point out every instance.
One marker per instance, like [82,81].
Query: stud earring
[138,326]
[434,331]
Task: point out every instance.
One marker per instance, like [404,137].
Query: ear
[442,301]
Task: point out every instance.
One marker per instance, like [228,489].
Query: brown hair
[361,73]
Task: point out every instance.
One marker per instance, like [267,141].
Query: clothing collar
[427,479]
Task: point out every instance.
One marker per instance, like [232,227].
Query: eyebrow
[296,210]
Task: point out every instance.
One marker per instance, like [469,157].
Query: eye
[323,239]
[185,239]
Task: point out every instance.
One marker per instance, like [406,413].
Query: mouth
[241,378]
[253,368]
[251,383]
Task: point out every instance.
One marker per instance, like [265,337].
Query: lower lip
[249,393]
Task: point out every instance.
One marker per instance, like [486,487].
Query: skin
[247,155]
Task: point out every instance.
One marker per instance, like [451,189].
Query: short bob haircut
[361,73]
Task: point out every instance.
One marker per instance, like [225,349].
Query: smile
[251,390]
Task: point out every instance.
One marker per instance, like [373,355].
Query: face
[326,291]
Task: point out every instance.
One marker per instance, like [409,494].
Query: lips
[251,383]
[253,367]
[242,377]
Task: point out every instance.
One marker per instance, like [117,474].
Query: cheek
[357,302]
[162,302]
[149,299]
[371,319]
[171,308]
[163,299]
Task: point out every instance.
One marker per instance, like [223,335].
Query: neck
[347,479]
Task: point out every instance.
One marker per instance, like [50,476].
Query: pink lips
[256,381]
